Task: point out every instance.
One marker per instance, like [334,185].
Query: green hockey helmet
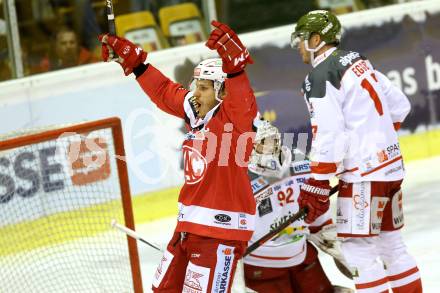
[322,22]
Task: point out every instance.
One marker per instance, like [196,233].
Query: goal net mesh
[57,200]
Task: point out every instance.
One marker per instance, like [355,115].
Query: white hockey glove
[327,240]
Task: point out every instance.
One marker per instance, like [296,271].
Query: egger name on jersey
[278,202]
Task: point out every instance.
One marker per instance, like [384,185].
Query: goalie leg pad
[263,279]
[309,276]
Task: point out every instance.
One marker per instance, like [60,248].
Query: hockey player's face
[205,96]
[305,55]
[313,42]
[267,145]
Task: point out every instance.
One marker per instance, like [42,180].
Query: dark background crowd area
[41,21]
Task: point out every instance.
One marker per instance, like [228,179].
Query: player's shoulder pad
[332,70]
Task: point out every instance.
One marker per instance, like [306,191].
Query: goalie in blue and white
[288,262]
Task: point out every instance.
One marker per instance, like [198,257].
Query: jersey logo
[258,184]
[241,58]
[159,268]
[242,221]
[265,207]
[222,219]
[192,281]
[359,202]
[263,195]
[307,84]
[195,165]
[302,168]
[195,135]
[348,59]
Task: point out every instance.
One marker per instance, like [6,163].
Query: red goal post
[59,191]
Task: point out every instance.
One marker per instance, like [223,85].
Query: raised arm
[166,94]
[239,103]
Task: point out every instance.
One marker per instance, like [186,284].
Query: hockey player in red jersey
[216,206]
[355,111]
[287,263]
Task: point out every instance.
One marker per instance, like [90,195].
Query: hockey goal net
[59,191]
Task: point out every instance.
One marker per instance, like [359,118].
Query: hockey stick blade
[133,234]
[302,213]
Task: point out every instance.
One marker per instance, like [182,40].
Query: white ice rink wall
[152,138]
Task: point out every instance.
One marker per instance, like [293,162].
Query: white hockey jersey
[354,110]
[279,200]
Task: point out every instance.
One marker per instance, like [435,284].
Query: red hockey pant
[194,263]
[308,277]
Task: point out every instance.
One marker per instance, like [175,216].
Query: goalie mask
[268,157]
[210,69]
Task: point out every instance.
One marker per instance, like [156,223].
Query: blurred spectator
[153,5]
[82,19]
[66,52]
[139,5]
[5,68]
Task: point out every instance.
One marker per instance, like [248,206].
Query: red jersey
[216,200]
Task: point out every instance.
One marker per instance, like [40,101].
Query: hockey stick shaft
[133,234]
[302,213]
[110,17]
